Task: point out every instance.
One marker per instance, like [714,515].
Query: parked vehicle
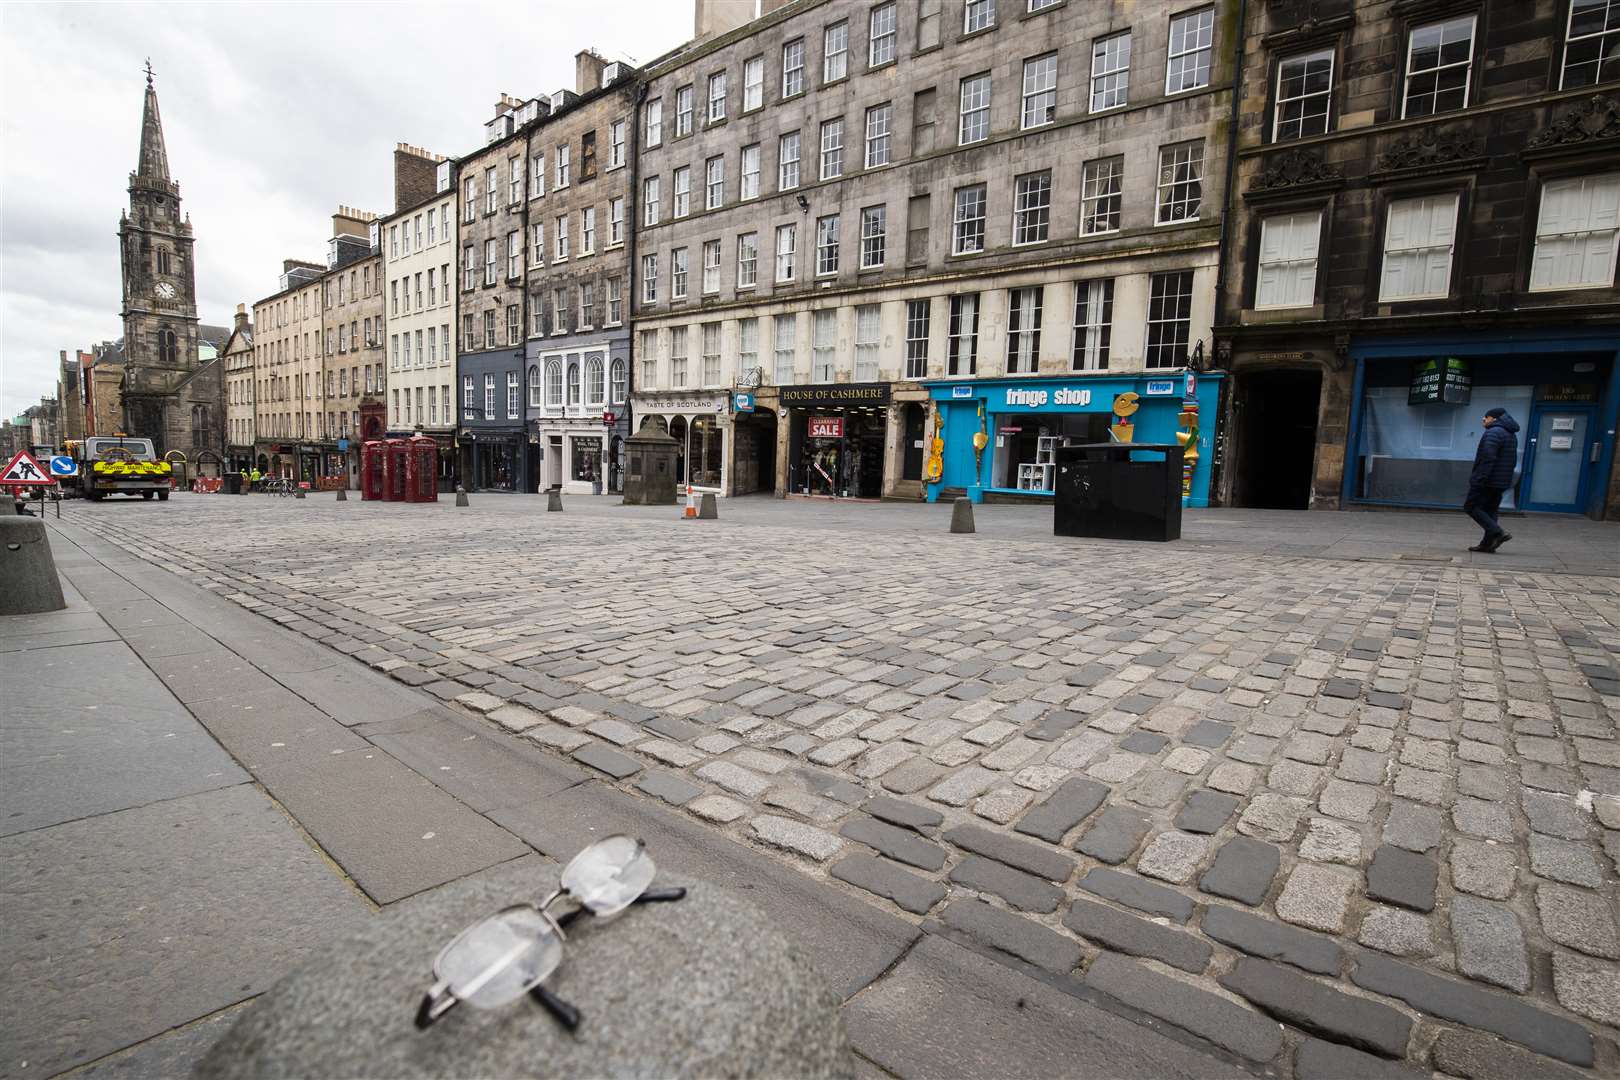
[120,465]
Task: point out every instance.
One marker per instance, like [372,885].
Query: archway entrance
[754,452]
[1276,419]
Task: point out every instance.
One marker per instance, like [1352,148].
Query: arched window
[595,392]
[166,346]
[554,383]
[199,425]
[573,382]
[534,386]
[619,387]
[163,266]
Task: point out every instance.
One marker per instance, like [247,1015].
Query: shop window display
[1025,444]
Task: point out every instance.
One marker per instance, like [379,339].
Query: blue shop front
[1418,399]
[1025,420]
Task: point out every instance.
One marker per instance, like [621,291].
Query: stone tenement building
[880,221]
[287,363]
[494,221]
[237,356]
[1424,225]
[579,235]
[419,264]
[352,328]
[167,393]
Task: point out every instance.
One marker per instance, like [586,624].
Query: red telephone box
[373,464]
[399,452]
[421,474]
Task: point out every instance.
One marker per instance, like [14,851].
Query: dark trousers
[1481,505]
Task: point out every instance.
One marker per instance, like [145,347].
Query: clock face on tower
[165,291]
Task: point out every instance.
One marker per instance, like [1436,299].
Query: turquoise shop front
[1026,420]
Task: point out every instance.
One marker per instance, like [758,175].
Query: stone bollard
[553,500]
[700,987]
[461,496]
[962,516]
[708,509]
[342,496]
[28,581]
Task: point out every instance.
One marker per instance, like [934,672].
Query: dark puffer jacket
[1497,454]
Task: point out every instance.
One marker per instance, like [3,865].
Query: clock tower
[160,289]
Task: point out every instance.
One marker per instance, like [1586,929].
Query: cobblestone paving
[1377,802]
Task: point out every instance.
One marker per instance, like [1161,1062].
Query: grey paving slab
[985,1020]
[169,1055]
[483,768]
[230,898]
[392,830]
[88,729]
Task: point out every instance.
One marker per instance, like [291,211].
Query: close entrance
[1276,439]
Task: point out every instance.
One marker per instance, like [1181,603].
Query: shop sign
[1567,392]
[1038,397]
[961,391]
[1160,388]
[826,427]
[1440,380]
[833,394]
[751,379]
[343,444]
[743,402]
[679,403]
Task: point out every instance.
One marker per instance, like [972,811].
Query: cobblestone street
[1375,797]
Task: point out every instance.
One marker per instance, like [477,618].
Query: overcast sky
[274,114]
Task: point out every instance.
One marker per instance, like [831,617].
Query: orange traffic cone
[691,510]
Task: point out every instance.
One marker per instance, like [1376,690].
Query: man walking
[1494,461]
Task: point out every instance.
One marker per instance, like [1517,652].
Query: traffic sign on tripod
[63,465]
[25,470]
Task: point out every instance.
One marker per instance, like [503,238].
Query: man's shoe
[1483,547]
[1501,538]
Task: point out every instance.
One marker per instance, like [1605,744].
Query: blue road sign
[62,465]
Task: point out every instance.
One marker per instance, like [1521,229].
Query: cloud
[273,115]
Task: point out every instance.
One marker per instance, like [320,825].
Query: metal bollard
[553,500]
[962,516]
[708,509]
[461,496]
[342,496]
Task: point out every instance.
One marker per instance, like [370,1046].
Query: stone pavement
[195,800]
[1372,792]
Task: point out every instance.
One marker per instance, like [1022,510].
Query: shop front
[1025,420]
[700,423]
[838,434]
[493,459]
[1418,402]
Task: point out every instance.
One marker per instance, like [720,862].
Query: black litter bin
[233,483]
[1118,491]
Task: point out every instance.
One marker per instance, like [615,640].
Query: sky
[273,114]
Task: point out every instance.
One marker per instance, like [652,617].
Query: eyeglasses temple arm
[651,896]
[566,1014]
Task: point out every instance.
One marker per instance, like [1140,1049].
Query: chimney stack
[241,318]
[711,18]
[415,174]
[587,71]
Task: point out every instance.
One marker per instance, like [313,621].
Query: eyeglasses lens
[607,876]
[498,960]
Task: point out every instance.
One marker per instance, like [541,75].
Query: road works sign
[24,469]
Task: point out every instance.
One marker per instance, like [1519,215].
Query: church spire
[154,164]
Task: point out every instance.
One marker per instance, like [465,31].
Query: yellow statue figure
[935,469]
